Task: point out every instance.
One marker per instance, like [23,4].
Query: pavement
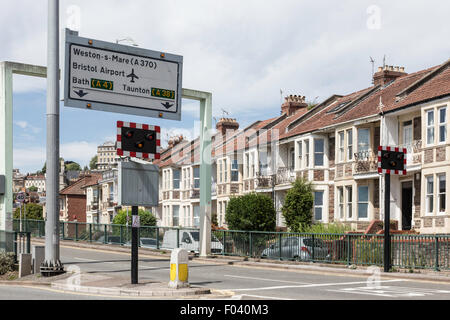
[116,285]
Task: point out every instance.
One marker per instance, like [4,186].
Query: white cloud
[29,159]
[26,126]
[79,151]
[245,51]
[33,158]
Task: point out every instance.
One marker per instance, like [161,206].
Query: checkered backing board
[387,171]
[121,152]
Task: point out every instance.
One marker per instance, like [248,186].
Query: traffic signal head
[391,160]
[137,140]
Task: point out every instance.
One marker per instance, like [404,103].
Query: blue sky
[243,52]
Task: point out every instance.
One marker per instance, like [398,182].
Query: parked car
[297,248]
[189,240]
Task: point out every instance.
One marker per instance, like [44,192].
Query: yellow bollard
[179,271]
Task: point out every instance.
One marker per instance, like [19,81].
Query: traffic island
[120,286]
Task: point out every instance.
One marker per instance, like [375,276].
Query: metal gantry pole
[387,224]
[134,247]
[52,265]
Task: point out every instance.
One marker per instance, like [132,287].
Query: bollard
[179,269]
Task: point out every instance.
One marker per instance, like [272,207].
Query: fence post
[223,241]
[250,250]
[121,238]
[178,238]
[76,231]
[90,232]
[313,247]
[157,238]
[436,244]
[63,230]
[279,244]
[105,238]
[348,250]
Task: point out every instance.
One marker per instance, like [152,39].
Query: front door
[407,193]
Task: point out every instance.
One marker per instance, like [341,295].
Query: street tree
[146,217]
[93,163]
[30,211]
[251,212]
[298,205]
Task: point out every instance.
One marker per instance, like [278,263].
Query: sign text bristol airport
[116,78]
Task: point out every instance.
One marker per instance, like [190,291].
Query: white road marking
[239,297]
[264,279]
[389,291]
[313,285]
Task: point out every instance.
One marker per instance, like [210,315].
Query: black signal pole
[387,224]
[134,246]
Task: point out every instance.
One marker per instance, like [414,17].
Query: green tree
[93,163]
[251,212]
[32,211]
[33,189]
[72,166]
[298,204]
[145,217]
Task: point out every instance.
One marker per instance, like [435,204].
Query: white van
[189,240]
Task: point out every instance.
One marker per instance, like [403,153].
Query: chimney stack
[226,124]
[386,74]
[174,141]
[292,104]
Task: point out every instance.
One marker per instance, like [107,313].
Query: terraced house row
[333,145]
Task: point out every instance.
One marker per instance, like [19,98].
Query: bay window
[442,124]
[441,192]
[430,127]
[363,201]
[429,194]
[318,205]
[318,152]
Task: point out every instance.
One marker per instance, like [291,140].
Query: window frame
[442,124]
[316,206]
[234,170]
[349,201]
[440,194]
[349,133]
[430,127]
[429,197]
[319,153]
[360,202]
[341,147]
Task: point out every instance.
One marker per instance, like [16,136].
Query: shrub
[32,211]
[6,262]
[251,212]
[146,218]
[336,228]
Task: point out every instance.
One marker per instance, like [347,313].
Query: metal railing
[408,251]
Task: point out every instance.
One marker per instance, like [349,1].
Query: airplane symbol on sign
[132,76]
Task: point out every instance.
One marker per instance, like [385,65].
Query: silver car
[298,248]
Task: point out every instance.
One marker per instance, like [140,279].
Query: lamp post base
[50,269]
